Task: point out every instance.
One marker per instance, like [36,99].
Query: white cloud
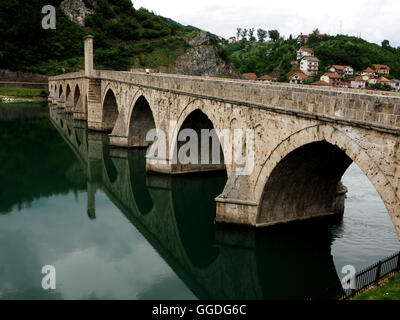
[375,20]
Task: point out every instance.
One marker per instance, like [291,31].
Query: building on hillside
[304,52]
[332,78]
[321,84]
[294,63]
[382,68]
[395,84]
[370,80]
[358,83]
[344,71]
[232,40]
[297,78]
[267,78]
[302,38]
[384,81]
[309,65]
[369,72]
[250,76]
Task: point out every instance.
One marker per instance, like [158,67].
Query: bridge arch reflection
[176,215]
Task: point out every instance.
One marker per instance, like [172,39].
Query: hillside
[125,37]
[274,57]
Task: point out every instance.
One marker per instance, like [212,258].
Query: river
[112,231]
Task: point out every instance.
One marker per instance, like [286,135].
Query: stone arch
[110,110]
[77,98]
[140,121]
[329,152]
[68,92]
[60,91]
[194,116]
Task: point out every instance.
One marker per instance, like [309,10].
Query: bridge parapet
[360,108]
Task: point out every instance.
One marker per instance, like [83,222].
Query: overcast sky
[376,20]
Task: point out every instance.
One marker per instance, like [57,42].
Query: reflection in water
[173,250]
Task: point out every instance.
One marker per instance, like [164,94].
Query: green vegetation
[124,37]
[274,57]
[355,52]
[388,291]
[20,93]
[271,57]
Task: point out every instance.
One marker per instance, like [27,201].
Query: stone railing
[368,108]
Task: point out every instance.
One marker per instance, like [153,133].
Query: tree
[251,35]
[238,33]
[316,31]
[385,44]
[262,35]
[274,35]
[244,34]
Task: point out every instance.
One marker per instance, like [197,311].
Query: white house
[304,52]
[345,71]
[309,65]
[297,77]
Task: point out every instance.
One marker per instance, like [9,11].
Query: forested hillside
[274,56]
[125,37]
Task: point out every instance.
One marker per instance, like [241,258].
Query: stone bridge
[304,137]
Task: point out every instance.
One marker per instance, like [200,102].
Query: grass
[19,93]
[390,290]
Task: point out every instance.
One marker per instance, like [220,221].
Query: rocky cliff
[202,59]
[76,11]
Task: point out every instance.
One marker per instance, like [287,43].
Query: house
[344,71]
[358,83]
[304,52]
[309,65]
[321,84]
[297,77]
[332,78]
[369,72]
[395,84]
[371,80]
[294,63]
[382,68]
[302,38]
[384,81]
[250,76]
[232,40]
[267,78]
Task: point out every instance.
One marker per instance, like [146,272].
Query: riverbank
[389,290]
[10,95]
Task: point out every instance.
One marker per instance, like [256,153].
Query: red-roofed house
[332,78]
[309,65]
[369,72]
[266,78]
[382,68]
[358,83]
[384,81]
[345,71]
[297,77]
[321,83]
[250,76]
[304,52]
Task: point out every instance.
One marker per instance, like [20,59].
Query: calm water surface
[67,199]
